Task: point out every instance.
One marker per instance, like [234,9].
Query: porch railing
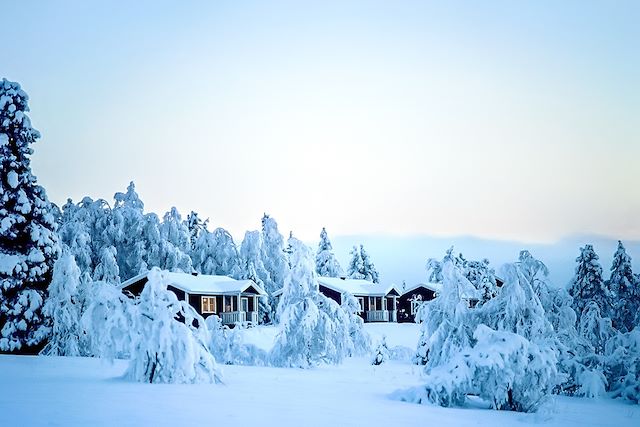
[231,317]
[393,315]
[377,316]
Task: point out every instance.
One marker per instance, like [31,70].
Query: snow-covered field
[53,391]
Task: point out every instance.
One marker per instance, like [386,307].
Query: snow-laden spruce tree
[274,261]
[165,349]
[216,253]
[128,213]
[327,264]
[107,269]
[63,307]
[313,328]
[359,337]
[361,267]
[446,322]
[381,353]
[196,226]
[587,284]
[28,241]
[482,277]
[253,268]
[622,358]
[175,243]
[625,291]
[108,321]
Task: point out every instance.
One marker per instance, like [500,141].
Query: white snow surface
[58,391]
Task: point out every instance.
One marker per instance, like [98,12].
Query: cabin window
[208,304]
[361,304]
[230,303]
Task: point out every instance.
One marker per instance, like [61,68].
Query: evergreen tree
[28,240]
[63,308]
[107,269]
[175,243]
[274,261]
[361,267]
[587,284]
[326,263]
[313,328]
[253,268]
[196,227]
[166,350]
[624,289]
[128,212]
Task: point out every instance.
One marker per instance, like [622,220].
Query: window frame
[206,301]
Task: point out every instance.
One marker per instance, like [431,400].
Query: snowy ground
[38,391]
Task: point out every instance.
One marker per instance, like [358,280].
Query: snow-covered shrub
[28,240]
[502,351]
[381,353]
[502,368]
[63,308]
[360,339]
[622,357]
[166,350]
[228,346]
[313,328]
[109,321]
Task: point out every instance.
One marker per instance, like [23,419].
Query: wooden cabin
[234,301]
[377,302]
[413,297]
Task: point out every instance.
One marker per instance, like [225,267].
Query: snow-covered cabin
[377,302]
[230,299]
[412,297]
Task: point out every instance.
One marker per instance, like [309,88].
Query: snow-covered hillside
[64,391]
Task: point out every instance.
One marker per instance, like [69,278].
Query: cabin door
[244,304]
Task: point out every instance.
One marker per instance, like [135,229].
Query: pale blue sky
[504,120]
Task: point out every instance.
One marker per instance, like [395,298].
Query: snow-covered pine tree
[595,329]
[446,325]
[356,264]
[381,353]
[28,240]
[327,264]
[166,350]
[482,277]
[62,306]
[313,328]
[196,226]
[361,267]
[359,337]
[227,259]
[107,269]
[130,245]
[622,358]
[274,260]
[175,244]
[587,284]
[108,321]
[625,291]
[252,268]
[369,271]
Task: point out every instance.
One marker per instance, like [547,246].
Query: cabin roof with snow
[357,286]
[204,284]
[468,291]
